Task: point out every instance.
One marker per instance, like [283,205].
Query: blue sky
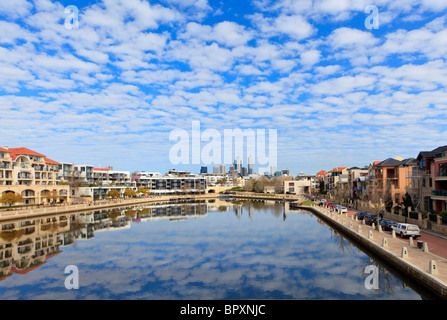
[112,91]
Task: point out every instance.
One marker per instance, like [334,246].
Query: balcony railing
[442,173]
[439,193]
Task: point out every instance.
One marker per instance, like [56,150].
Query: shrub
[413,214]
[433,217]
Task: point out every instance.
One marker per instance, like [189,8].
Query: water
[214,251]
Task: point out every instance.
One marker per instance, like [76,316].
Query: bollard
[370,234]
[385,242]
[432,268]
[350,225]
[379,228]
[411,242]
[359,229]
[404,253]
[425,247]
[393,234]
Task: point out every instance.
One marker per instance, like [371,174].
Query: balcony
[439,194]
[441,175]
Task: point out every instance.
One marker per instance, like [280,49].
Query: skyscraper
[250,167]
[238,165]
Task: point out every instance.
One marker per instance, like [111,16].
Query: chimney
[5,147]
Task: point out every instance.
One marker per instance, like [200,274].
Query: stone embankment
[424,267]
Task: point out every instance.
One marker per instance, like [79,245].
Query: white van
[407,230]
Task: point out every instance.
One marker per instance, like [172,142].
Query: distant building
[204,169]
[172,184]
[250,165]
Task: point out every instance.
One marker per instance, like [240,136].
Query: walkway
[416,263]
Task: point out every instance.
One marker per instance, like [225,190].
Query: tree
[143,191]
[407,201]
[222,181]
[130,193]
[51,196]
[322,187]
[388,200]
[113,194]
[10,198]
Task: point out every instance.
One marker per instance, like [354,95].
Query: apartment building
[429,183]
[32,175]
[393,174]
[171,183]
[108,176]
[336,180]
[357,178]
[439,194]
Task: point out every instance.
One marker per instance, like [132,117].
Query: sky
[340,83]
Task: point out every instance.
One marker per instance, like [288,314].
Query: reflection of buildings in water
[173,212]
[26,244]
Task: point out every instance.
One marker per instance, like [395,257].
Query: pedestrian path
[426,266]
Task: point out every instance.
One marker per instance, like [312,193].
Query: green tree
[407,201]
[322,187]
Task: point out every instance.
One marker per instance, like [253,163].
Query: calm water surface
[192,251]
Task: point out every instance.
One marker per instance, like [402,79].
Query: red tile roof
[19,151]
[4,150]
[50,161]
[100,169]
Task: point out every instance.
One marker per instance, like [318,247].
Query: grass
[308,203]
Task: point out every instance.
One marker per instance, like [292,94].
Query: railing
[439,193]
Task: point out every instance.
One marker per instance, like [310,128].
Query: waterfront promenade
[421,264]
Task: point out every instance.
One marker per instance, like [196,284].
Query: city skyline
[107,82]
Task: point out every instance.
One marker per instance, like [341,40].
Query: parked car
[370,219]
[322,201]
[387,225]
[329,205]
[344,210]
[360,215]
[407,230]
